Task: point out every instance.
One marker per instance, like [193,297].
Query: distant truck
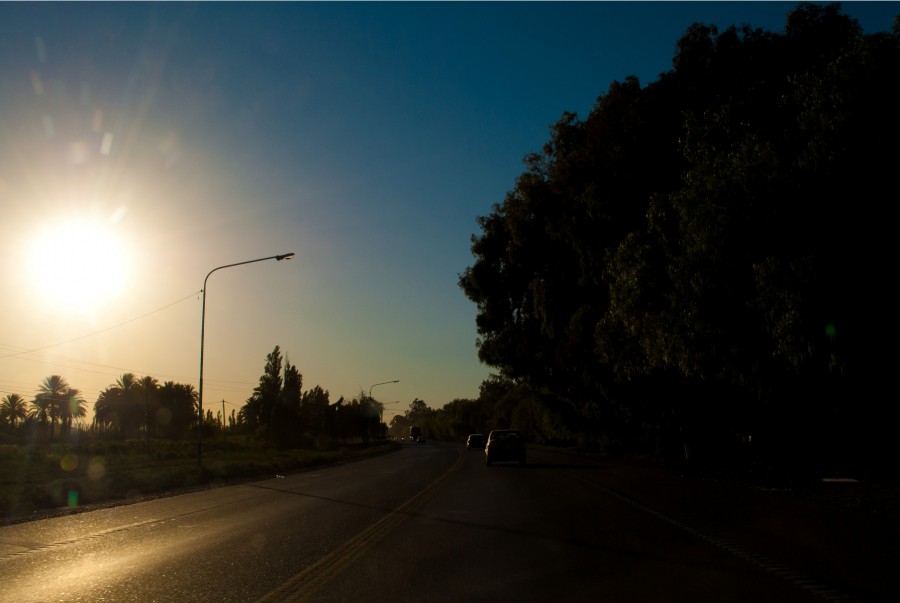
[415,433]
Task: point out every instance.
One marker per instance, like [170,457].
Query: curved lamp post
[381,418]
[382,383]
[284,256]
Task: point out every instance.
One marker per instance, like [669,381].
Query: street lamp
[284,256]
[382,383]
[381,418]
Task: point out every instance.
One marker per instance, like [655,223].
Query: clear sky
[143,145]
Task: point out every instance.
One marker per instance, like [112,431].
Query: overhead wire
[215,385]
[110,328]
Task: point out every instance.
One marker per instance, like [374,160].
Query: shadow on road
[514,465]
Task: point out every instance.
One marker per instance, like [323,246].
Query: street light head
[285,256]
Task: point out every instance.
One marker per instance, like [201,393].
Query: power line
[46,347]
[219,385]
[60,361]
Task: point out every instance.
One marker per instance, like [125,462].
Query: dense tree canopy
[705,254]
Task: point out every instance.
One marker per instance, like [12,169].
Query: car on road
[475,440]
[504,445]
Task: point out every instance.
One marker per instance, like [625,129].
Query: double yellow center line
[307,582]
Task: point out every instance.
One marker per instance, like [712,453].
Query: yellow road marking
[307,582]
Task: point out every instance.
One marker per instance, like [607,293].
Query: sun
[79,265]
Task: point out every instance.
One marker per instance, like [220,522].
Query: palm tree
[41,412]
[117,406]
[13,408]
[50,401]
[104,410]
[73,407]
[178,409]
[149,387]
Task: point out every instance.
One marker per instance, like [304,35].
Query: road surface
[432,523]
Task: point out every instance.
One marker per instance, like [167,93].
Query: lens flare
[68,462]
[96,468]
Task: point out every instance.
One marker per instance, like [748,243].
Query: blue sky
[365,137]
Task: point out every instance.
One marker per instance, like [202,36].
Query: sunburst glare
[79,265]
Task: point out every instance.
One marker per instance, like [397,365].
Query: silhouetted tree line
[282,413]
[55,409]
[704,262]
[501,403]
[129,408]
[277,412]
[420,415]
[133,407]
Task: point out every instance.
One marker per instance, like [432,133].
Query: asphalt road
[432,523]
